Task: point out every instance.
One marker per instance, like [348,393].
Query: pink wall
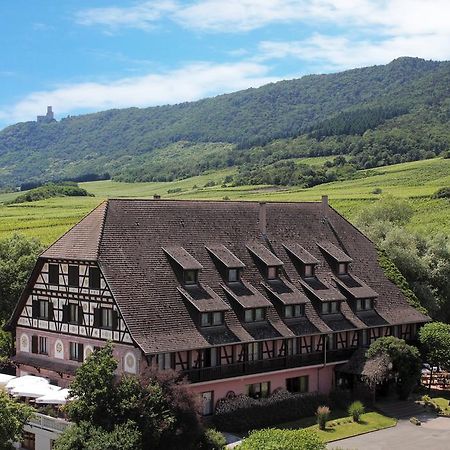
[321,379]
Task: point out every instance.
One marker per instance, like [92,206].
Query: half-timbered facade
[241,297]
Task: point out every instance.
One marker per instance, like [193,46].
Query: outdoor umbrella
[54,398]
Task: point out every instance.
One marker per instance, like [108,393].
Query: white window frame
[43,348]
[74,351]
[43,309]
[107,318]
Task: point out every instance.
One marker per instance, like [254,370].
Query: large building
[242,297]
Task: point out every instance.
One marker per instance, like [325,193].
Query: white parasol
[54,398]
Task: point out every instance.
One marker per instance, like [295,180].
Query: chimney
[49,110]
[262,217]
[325,206]
[156,196]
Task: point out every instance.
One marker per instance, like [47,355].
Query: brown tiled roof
[335,252]
[183,258]
[322,290]
[300,253]
[355,287]
[246,295]
[203,298]
[264,254]
[285,292]
[82,241]
[225,256]
[127,238]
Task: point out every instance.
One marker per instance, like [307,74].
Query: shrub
[174,190]
[442,193]
[276,439]
[212,440]
[377,191]
[356,410]
[241,413]
[415,421]
[323,412]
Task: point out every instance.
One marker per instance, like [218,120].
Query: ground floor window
[43,345]
[258,390]
[76,351]
[207,403]
[28,441]
[298,384]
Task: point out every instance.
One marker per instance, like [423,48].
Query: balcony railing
[48,423]
[266,365]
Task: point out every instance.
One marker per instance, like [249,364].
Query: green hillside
[415,181]
[376,115]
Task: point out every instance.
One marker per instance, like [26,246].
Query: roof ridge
[183,200]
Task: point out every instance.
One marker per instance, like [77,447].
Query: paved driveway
[433,434]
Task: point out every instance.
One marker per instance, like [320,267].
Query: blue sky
[83,56]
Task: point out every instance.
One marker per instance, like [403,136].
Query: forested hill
[174,141]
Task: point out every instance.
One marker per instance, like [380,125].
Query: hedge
[243,413]
[275,439]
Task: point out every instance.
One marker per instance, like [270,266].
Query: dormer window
[330,307]
[364,304]
[272,272]
[190,277]
[214,318]
[255,315]
[233,275]
[342,268]
[291,311]
[309,271]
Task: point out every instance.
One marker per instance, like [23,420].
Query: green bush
[276,439]
[442,193]
[213,440]
[322,413]
[356,410]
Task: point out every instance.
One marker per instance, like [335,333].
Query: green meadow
[416,181]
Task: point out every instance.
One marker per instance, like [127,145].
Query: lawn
[415,181]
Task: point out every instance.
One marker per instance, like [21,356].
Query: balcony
[47,423]
[265,365]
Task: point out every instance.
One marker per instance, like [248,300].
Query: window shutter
[80,352]
[97,317]
[50,311]
[35,309]
[115,320]
[65,317]
[80,315]
[34,344]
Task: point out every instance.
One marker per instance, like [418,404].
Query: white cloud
[142,15]
[192,82]
[339,52]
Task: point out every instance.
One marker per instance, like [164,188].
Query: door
[207,403]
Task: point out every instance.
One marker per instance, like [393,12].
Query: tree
[87,436]
[406,363]
[17,258]
[6,347]
[435,345]
[158,411]
[13,416]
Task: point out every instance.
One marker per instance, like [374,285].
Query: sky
[90,55]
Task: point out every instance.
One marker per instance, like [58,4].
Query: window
[164,361]
[43,345]
[254,351]
[43,309]
[298,384]
[330,307]
[73,313]
[207,403]
[105,318]
[309,271]
[94,277]
[258,390]
[233,275]
[342,268]
[73,276]
[211,318]
[76,351]
[272,272]
[190,276]
[363,304]
[255,314]
[28,441]
[294,311]
[53,274]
